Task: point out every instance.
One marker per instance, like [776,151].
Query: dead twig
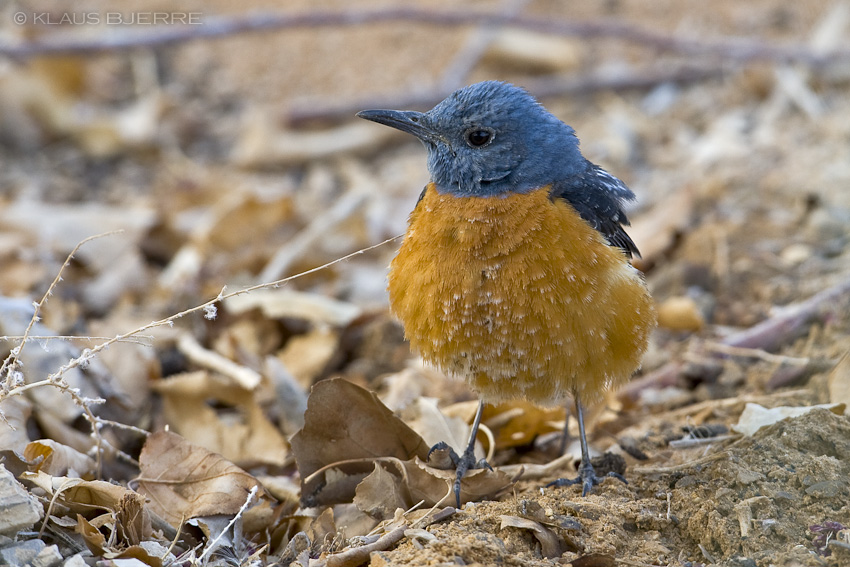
[213,545]
[769,335]
[360,555]
[13,360]
[776,331]
[316,230]
[682,467]
[243,376]
[476,46]
[542,88]
[13,384]
[744,352]
[737,49]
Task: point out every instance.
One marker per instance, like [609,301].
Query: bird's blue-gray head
[489,139]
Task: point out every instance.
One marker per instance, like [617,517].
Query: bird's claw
[442,452]
[587,478]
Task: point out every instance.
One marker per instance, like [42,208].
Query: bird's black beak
[409,121]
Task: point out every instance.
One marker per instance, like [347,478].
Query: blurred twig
[769,335]
[738,49]
[551,86]
[12,378]
[476,46]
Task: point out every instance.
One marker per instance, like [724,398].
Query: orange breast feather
[519,296]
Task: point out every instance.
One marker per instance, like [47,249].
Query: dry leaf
[401,389]
[185,481]
[135,126]
[381,493]
[98,494]
[288,398]
[352,521]
[95,540]
[655,231]
[323,527]
[133,521]
[307,356]
[245,436]
[133,366]
[51,484]
[518,423]
[38,361]
[54,428]
[125,509]
[425,417]
[345,422]
[236,227]
[435,486]
[551,545]
[136,552]
[56,459]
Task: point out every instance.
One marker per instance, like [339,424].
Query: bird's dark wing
[598,197]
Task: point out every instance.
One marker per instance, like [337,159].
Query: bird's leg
[586,474]
[565,436]
[466,461]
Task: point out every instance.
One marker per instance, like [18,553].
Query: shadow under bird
[514,273]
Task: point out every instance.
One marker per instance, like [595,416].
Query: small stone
[748,477]
[738,561]
[826,489]
[795,254]
[21,553]
[47,557]
[680,314]
[19,510]
[76,561]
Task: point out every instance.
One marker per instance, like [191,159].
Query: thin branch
[476,46]
[359,555]
[146,340]
[772,333]
[721,348]
[760,339]
[737,49]
[89,353]
[212,546]
[13,359]
[56,378]
[554,86]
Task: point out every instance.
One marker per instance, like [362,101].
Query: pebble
[680,314]
[21,553]
[795,254]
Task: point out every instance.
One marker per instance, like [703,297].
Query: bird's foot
[587,478]
[442,454]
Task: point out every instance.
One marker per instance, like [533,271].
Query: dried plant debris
[152,412]
[352,448]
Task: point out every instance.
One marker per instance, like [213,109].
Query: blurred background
[236,159]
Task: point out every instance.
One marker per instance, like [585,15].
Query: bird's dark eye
[479,137]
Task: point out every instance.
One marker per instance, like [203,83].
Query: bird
[514,273]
